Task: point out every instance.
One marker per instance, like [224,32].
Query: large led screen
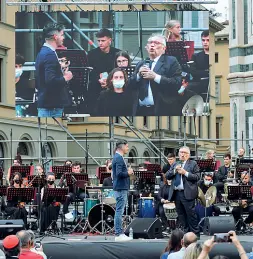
[143,63]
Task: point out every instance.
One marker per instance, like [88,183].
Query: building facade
[241,74]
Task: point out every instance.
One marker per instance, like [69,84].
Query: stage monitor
[134,63]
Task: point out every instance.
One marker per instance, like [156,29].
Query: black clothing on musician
[221,176]
[101,62]
[163,194]
[200,67]
[16,211]
[108,182]
[166,168]
[110,103]
[237,212]
[185,195]
[71,198]
[23,89]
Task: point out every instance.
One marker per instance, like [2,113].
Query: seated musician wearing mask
[223,173]
[108,181]
[162,197]
[80,193]
[50,210]
[14,209]
[204,185]
[245,206]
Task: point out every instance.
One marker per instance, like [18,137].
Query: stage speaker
[10,227]
[147,228]
[220,224]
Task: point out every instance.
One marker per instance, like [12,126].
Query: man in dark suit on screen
[51,81]
[156,81]
[184,189]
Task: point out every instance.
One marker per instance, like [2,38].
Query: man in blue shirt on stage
[121,185]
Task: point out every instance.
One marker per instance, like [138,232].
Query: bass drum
[95,219]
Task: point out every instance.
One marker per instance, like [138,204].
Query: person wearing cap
[11,246]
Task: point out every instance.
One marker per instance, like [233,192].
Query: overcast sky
[221,8]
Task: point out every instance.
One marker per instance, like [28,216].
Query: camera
[222,238]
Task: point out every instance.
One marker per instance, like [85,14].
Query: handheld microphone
[147,62]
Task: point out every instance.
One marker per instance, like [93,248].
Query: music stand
[23,170]
[55,195]
[60,170]
[239,192]
[99,170]
[177,49]
[3,191]
[206,165]
[154,167]
[103,176]
[20,194]
[37,180]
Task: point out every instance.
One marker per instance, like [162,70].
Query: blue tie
[144,90]
[177,180]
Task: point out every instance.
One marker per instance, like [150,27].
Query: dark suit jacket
[121,180]
[190,183]
[50,83]
[165,93]
[163,193]
[107,182]
[221,174]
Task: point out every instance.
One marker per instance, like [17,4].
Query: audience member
[174,243]
[37,250]
[188,239]
[193,251]
[2,254]
[11,247]
[26,245]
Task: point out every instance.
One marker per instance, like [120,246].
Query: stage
[97,247]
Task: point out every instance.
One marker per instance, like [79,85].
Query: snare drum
[146,207]
[89,204]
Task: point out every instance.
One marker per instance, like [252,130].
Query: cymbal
[201,197]
[211,195]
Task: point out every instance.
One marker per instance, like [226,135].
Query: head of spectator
[68,163]
[11,246]
[122,59]
[2,254]
[117,80]
[210,154]
[175,241]
[156,46]
[193,251]
[19,62]
[173,30]
[104,39]
[25,239]
[76,167]
[17,180]
[54,34]
[227,160]
[122,147]
[241,152]
[188,239]
[205,41]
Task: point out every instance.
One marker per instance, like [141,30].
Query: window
[208,127]
[200,126]
[218,132]
[235,127]
[1,77]
[216,57]
[145,121]
[195,19]
[22,149]
[146,156]
[47,154]
[158,122]
[1,155]
[116,120]
[169,122]
[233,20]
[190,124]
[77,119]
[132,155]
[217,91]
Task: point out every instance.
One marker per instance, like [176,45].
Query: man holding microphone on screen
[184,189]
[121,185]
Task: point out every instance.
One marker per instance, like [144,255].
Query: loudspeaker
[10,227]
[220,224]
[147,228]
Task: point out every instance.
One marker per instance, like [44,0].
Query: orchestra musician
[241,152]
[39,170]
[184,190]
[108,181]
[79,193]
[210,154]
[50,210]
[16,162]
[173,30]
[15,209]
[223,173]
[204,185]
[245,206]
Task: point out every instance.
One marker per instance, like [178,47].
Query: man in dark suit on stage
[51,82]
[184,189]
[156,81]
[108,181]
